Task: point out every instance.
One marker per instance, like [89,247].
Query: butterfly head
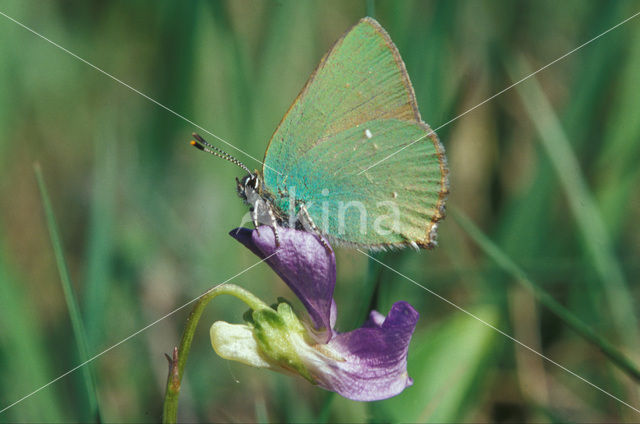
[249,186]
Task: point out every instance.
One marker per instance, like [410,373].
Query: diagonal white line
[131,335]
[364,253]
[134,89]
[502,91]
[501,332]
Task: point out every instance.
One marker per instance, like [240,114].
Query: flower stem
[181,353]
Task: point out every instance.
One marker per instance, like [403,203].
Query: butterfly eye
[250,181]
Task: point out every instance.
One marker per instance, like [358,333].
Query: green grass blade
[325,410]
[596,239]
[72,304]
[98,270]
[370,6]
[447,363]
[26,362]
[618,183]
[262,416]
[510,267]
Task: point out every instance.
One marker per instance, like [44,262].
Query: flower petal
[236,342]
[375,357]
[303,263]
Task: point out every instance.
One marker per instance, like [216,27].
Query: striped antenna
[201,144]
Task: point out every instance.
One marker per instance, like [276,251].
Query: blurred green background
[548,170]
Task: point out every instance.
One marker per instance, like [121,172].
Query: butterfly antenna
[201,144]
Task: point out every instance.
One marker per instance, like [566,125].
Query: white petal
[236,342]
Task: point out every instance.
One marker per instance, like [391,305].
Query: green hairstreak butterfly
[352,159]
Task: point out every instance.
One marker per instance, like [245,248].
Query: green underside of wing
[360,89]
[391,203]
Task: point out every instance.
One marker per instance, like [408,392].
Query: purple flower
[369,363]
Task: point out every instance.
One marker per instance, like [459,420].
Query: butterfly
[352,159]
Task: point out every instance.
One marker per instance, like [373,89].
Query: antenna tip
[198,137]
[197,145]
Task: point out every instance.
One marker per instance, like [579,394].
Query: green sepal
[279,333]
[248,316]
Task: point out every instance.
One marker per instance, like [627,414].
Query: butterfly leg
[309,225]
[262,213]
[254,216]
[273,224]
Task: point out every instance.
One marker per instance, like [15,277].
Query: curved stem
[181,353]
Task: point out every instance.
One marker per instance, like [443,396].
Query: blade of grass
[591,75]
[525,224]
[370,7]
[26,360]
[325,410]
[369,291]
[596,239]
[621,132]
[289,52]
[566,316]
[448,364]
[260,407]
[99,247]
[72,304]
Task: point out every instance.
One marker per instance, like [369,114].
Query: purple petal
[303,263]
[375,365]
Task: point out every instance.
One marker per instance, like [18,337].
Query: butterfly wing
[357,109]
